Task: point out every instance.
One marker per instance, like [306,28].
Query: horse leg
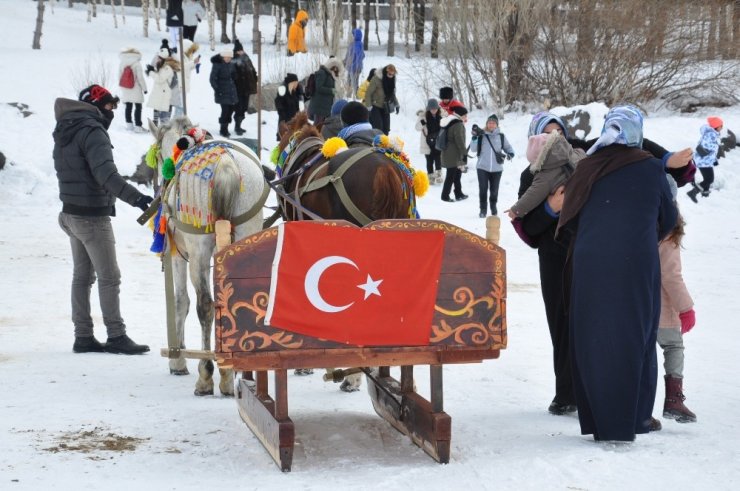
[178,366]
[199,269]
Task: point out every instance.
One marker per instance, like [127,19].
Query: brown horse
[358,185]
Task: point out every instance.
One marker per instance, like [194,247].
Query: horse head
[166,136]
[297,129]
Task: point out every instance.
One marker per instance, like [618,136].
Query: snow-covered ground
[94,421]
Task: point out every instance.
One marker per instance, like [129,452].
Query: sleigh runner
[468,324]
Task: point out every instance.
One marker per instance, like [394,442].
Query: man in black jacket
[89,184]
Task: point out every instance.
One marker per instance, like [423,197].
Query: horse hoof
[227,394]
[179,371]
[201,393]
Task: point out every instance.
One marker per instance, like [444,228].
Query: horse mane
[298,126]
[178,124]
[387,186]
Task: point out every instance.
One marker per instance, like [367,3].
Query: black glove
[398,108]
[509,156]
[423,123]
[143,202]
[149,69]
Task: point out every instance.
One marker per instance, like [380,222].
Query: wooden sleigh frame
[469,326]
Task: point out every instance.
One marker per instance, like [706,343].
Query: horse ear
[153,128]
[282,129]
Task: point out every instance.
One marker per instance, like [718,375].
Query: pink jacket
[674,296]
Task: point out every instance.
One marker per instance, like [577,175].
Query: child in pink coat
[677,317]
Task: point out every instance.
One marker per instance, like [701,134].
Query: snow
[60,409]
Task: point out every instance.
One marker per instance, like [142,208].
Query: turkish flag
[355,286]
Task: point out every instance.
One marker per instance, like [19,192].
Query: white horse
[215,179]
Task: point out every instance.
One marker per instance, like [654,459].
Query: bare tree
[419,15]
[391,28]
[145,17]
[366,16]
[255,24]
[39,22]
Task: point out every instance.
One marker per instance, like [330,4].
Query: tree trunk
[222,13]
[391,28]
[713,27]
[115,17]
[234,15]
[366,15]
[212,24]
[39,23]
[419,14]
[123,12]
[145,17]
[256,24]
[353,13]
[434,42]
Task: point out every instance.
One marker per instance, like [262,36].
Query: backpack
[441,142]
[127,78]
[310,87]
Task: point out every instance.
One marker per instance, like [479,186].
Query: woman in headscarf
[618,206]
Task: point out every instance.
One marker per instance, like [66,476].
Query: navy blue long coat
[615,299]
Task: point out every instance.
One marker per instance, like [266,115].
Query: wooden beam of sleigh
[468,326]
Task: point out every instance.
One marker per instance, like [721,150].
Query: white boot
[130,126]
[438,177]
[139,129]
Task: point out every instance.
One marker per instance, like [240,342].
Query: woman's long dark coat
[615,298]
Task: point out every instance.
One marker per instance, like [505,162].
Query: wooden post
[258,44]
[182,73]
[493,229]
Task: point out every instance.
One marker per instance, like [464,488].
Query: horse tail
[226,183]
[390,199]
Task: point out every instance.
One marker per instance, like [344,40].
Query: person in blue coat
[618,206]
[706,156]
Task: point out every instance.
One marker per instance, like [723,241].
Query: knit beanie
[354,112]
[164,50]
[238,46]
[432,104]
[542,119]
[492,117]
[715,122]
[446,93]
[97,96]
[460,110]
[337,107]
[290,77]
[227,53]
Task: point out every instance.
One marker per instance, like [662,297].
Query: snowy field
[101,421]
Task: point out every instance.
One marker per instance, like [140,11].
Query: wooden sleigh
[469,325]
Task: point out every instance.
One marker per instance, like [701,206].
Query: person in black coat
[288,98]
[246,84]
[618,206]
[89,185]
[223,82]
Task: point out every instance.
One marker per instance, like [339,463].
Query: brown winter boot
[673,407]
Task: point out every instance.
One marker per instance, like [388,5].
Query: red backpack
[127,78]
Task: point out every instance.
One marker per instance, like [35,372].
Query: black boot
[559,409]
[124,345]
[238,128]
[87,345]
[693,193]
[224,130]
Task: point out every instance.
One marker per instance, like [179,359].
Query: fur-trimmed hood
[129,56]
[554,152]
[447,120]
[334,63]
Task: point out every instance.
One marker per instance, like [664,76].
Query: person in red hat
[705,156]
[89,184]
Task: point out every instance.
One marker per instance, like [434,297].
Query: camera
[477,131]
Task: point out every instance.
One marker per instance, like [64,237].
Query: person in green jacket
[455,153]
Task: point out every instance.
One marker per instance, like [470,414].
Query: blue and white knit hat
[623,126]
[542,119]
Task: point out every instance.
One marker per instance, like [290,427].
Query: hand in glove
[143,202]
[688,320]
[398,108]
[509,156]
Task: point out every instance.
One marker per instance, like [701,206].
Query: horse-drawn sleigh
[462,319]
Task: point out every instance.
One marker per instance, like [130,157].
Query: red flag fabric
[355,286]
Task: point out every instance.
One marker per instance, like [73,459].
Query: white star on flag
[370,287]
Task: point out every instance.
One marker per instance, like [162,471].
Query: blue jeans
[93,253]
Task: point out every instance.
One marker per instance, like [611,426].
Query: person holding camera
[427,123]
[492,149]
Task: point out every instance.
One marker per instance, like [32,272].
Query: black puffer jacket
[89,182]
[223,81]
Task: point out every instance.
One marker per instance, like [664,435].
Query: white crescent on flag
[311,283]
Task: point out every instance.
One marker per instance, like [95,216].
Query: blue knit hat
[542,119]
[337,107]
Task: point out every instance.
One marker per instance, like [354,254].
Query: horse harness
[314,183]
